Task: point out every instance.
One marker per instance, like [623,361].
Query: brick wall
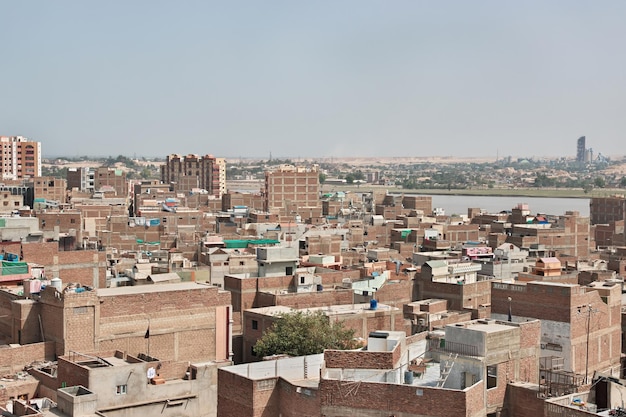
[296,401]
[360,359]
[240,397]
[376,399]
[15,358]
[521,401]
[306,299]
[70,374]
[183,323]
[85,267]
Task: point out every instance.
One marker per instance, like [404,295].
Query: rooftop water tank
[373,304]
[57,283]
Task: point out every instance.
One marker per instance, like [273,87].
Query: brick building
[581,325]
[50,190]
[570,235]
[457,282]
[281,387]
[420,203]
[358,317]
[179,322]
[466,375]
[430,314]
[604,210]
[185,173]
[82,179]
[291,190]
[114,179]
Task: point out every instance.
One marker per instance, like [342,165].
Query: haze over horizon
[315,79]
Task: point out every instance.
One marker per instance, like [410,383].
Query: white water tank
[57,283]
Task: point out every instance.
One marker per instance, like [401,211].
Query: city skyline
[314,80]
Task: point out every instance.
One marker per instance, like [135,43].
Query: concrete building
[277,261]
[222,262]
[508,262]
[116,384]
[185,173]
[9,202]
[581,150]
[21,157]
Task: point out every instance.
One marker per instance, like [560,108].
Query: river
[458,204]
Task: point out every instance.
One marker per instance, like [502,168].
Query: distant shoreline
[254,186]
[487,192]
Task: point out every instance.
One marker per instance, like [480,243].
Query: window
[492,376]
[121,389]
[255,325]
[301,279]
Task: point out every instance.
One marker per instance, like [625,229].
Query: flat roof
[327,310]
[139,289]
[553,283]
[488,326]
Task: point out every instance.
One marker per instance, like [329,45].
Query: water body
[458,204]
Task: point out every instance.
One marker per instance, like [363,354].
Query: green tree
[622,182]
[350,178]
[298,334]
[322,177]
[599,182]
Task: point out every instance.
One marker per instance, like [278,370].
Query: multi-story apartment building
[292,189]
[48,190]
[193,171]
[21,157]
[114,178]
[81,178]
[604,210]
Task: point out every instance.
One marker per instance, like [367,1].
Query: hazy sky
[316,78]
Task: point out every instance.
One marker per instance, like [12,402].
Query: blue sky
[314,79]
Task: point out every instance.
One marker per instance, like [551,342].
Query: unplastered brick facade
[186,321]
[357,317]
[566,311]
[87,267]
[291,188]
[285,387]
[571,235]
